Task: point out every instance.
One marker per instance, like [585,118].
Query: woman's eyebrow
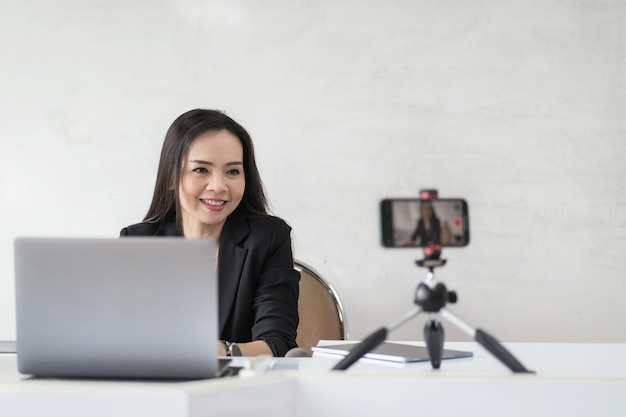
[200,161]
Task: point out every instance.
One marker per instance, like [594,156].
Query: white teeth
[214,202]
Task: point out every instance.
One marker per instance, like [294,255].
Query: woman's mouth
[215,205]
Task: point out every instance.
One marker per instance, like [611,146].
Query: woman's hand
[221,349]
[256,348]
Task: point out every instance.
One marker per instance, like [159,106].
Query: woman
[428,229]
[208,186]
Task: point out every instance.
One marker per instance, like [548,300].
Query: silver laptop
[140,308]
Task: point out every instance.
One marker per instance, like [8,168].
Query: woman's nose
[216,183]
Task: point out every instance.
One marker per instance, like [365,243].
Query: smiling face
[426,211]
[212,183]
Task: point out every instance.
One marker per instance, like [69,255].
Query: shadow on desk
[7,346]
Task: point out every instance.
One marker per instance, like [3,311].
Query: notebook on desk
[391,352]
[140,308]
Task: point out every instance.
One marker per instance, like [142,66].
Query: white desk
[572,380]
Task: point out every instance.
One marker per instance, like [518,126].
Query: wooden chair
[320,310]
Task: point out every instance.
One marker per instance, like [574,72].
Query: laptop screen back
[118,308]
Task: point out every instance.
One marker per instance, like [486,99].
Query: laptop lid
[116,308]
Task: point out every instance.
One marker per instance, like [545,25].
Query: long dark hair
[187,127]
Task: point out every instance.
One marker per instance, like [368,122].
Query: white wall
[517,106]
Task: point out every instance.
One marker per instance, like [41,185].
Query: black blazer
[427,236]
[258,287]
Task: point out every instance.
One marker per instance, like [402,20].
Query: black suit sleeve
[275,301]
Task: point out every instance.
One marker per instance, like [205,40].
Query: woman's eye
[201,170]
[233,172]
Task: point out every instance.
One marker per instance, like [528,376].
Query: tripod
[432,298]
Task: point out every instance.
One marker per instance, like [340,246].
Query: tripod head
[432,258]
[432,298]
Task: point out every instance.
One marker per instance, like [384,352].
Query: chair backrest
[320,310]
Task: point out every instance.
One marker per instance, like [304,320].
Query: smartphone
[415,222]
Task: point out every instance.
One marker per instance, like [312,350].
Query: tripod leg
[371,341]
[433,334]
[488,342]
[496,349]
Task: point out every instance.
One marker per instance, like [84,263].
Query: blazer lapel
[230,264]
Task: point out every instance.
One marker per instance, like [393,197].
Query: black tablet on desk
[392,352]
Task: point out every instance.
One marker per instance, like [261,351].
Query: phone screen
[415,222]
